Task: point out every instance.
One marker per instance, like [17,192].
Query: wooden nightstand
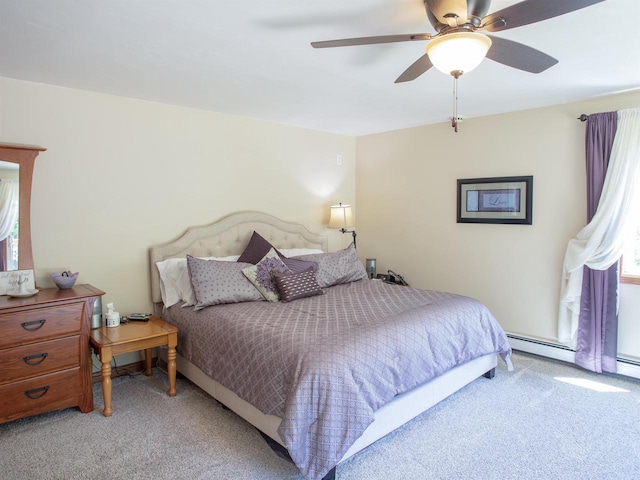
[131,337]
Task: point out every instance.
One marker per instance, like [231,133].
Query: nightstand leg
[147,361]
[105,358]
[171,370]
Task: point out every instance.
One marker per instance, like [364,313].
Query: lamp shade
[341,216]
[458,51]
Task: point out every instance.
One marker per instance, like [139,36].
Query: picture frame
[507,200]
[9,280]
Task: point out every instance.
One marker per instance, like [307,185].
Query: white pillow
[175,284]
[294,252]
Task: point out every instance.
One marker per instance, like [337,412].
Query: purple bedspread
[325,364]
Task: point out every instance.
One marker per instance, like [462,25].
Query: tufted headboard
[230,236]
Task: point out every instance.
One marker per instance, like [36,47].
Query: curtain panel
[597,341]
[601,242]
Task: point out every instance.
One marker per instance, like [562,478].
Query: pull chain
[454,120]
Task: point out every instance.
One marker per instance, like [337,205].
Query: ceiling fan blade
[532,11]
[348,42]
[416,69]
[517,55]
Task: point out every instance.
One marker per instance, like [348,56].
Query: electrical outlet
[339,160]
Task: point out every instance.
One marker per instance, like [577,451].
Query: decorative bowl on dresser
[45,361]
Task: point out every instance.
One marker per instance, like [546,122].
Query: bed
[327,373]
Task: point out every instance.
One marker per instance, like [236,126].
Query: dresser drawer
[40,394]
[40,324]
[39,358]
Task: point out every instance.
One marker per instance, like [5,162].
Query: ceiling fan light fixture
[458,51]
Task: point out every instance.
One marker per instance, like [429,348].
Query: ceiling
[253,58]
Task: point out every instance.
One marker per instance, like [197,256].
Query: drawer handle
[33,325]
[33,359]
[37,393]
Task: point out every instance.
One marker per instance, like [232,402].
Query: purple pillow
[260,275]
[292,286]
[338,267]
[257,248]
[296,265]
[216,282]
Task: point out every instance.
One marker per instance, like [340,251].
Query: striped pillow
[292,286]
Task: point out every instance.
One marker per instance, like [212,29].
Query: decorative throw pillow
[257,248]
[215,282]
[292,286]
[338,267]
[296,265]
[260,275]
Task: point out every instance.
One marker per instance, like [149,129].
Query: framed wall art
[496,200]
[10,281]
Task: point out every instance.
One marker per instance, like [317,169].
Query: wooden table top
[131,332]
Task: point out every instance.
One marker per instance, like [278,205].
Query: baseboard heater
[626,366]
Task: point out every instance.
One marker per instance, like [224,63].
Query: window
[630,265]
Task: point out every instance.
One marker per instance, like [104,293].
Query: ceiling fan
[458,48]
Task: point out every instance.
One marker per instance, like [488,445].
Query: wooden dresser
[45,363]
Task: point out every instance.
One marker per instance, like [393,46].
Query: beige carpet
[522,424]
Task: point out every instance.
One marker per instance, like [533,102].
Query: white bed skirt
[396,413]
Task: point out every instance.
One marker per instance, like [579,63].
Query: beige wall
[406,217]
[120,175]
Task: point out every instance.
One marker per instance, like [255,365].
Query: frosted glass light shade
[459,51]
[341,216]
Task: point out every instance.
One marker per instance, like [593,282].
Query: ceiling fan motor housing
[441,12]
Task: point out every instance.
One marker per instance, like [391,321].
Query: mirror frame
[25,156]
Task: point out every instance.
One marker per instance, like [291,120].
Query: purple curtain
[597,345]
[3,255]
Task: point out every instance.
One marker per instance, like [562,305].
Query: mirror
[9,215]
[17,162]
